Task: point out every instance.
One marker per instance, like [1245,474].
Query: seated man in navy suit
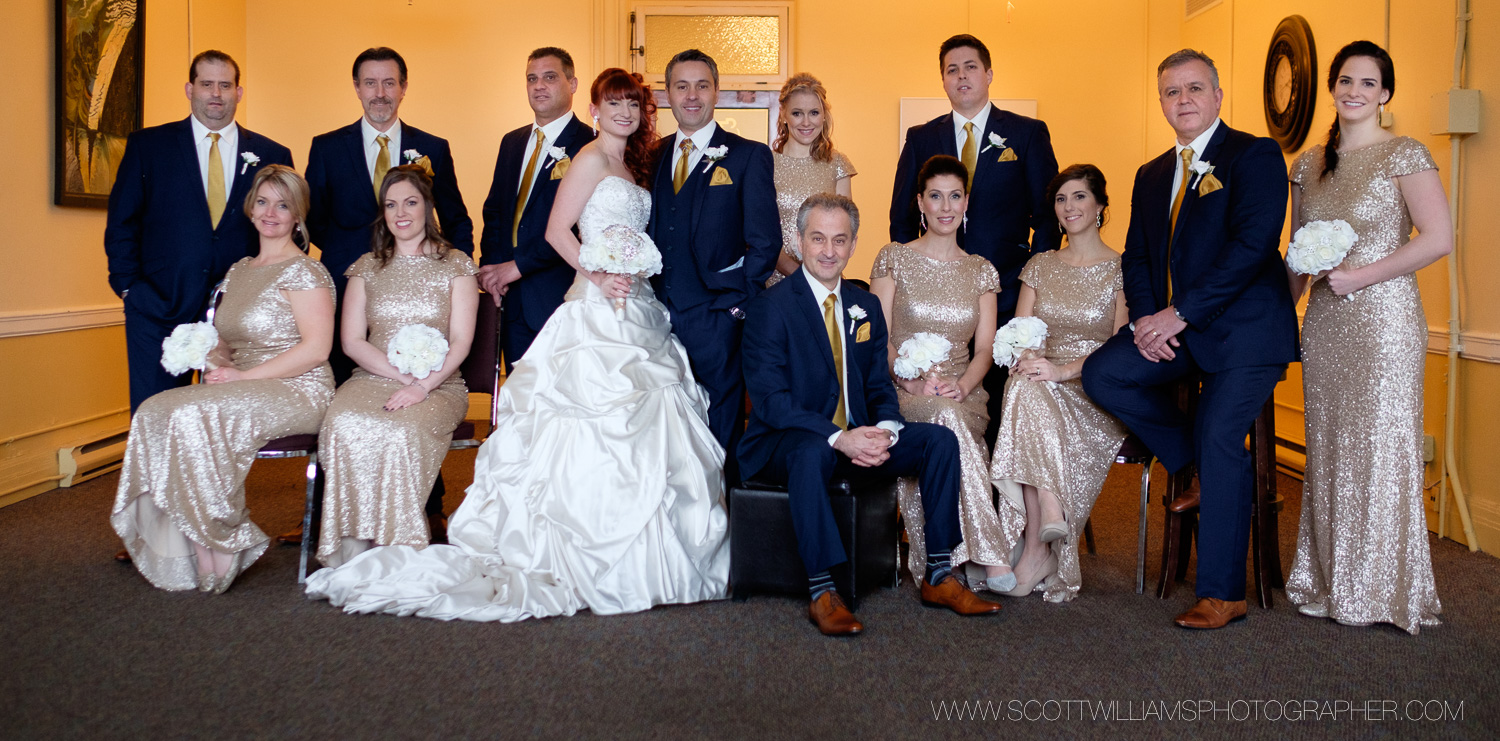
[1208,298]
[823,407]
[176,221]
[714,218]
[1010,163]
[516,259]
[344,170]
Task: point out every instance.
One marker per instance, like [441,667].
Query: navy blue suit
[719,244]
[343,210]
[545,276]
[1009,218]
[1230,286]
[161,246]
[790,372]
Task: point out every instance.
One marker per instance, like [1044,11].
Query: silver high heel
[1049,567]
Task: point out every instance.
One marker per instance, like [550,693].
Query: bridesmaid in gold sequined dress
[1055,447]
[931,285]
[1362,552]
[805,161]
[180,506]
[387,432]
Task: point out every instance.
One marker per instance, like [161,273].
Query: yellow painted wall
[1089,64]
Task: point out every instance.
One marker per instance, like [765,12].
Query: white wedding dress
[600,488]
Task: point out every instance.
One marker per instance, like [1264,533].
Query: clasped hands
[410,394]
[866,446]
[1156,335]
[947,386]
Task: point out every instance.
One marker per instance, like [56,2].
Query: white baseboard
[21,324]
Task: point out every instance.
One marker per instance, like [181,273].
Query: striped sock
[819,583]
[939,566]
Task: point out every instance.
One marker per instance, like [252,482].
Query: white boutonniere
[251,160]
[557,154]
[1201,168]
[413,157]
[856,313]
[995,141]
[714,154]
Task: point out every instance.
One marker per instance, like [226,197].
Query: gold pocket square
[1009,155]
[425,163]
[560,168]
[1209,184]
[862,333]
[720,177]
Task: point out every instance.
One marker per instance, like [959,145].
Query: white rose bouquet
[620,250]
[1016,337]
[188,346]
[918,354]
[417,349]
[1320,246]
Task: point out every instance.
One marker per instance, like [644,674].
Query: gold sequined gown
[1051,435]
[941,297]
[380,466]
[797,178]
[190,448]
[1362,543]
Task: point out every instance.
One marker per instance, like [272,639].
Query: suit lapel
[984,161]
[1210,151]
[853,379]
[355,148]
[812,315]
[947,142]
[188,151]
[698,179]
[241,182]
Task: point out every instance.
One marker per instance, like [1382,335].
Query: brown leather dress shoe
[1211,613]
[123,556]
[1188,498]
[952,595]
[437,526]
[832,617]
[290,537]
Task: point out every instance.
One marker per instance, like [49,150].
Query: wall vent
[1197,7]
[80,463]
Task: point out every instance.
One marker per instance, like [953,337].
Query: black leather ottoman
[763,544]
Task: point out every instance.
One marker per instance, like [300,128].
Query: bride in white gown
[601,487]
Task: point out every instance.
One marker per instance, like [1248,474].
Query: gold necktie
[831,323]
[971,151]
[515,226]
[680,176]
[216,196]
[382,162]
[1187,172]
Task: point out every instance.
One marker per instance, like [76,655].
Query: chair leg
[1088,536]
[1140,546]
[311,515]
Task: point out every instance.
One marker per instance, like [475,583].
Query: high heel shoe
[207,583]
[1055,530]
[1023,588]
[1002,583]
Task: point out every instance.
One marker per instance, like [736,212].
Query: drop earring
[966,223]
[923,218]
[1060,229]
[1099,219]
[596,125]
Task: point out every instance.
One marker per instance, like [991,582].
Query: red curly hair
[617,84]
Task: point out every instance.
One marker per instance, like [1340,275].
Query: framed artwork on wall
[100,74]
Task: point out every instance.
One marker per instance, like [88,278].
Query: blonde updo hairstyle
[292,190]
[822,147]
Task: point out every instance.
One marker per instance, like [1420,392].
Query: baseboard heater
[80,463]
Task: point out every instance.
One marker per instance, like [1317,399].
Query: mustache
[381,101]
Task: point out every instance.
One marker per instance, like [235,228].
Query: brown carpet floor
[90,650]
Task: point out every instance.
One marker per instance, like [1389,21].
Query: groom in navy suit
[1207,293]
[344,170]
[516,259]
[176,221]
[715,221]
[1010,163]
[823,407]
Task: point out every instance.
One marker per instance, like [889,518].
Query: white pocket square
[740,263]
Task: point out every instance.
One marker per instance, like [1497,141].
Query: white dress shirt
[372,145]
[1198,146]
[820,293]
[700,138]
[551,131]
[980,119]
[229,147]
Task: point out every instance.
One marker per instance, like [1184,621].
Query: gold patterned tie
[971,151]
[831,323]
[525,190]
[1187,171]
[382,162]
[680,176]
[216,195]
